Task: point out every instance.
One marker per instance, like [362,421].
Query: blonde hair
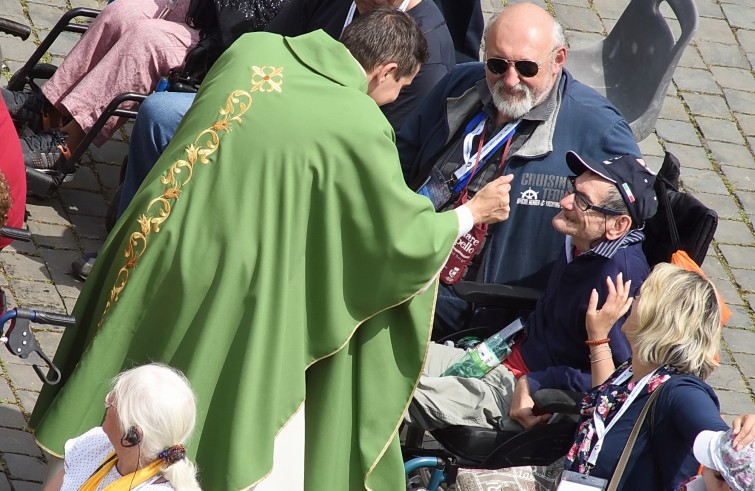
[159,401]
[678,321]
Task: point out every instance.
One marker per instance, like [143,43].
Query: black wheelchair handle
[15,233]
[14,28]
[42,317]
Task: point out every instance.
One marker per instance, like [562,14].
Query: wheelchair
[681,223]
[43,184]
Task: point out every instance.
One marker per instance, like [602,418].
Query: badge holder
[574,481]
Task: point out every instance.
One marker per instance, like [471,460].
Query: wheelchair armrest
[558,401]
[492,294]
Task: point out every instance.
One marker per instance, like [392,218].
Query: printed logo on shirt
[541,190]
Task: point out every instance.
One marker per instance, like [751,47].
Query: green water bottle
[482,359]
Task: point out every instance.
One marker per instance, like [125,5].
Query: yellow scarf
[125,482]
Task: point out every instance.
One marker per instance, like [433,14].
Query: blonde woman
[149,415]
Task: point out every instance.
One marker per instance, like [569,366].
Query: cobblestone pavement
[707,120]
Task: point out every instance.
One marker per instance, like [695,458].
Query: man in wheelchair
[602,216]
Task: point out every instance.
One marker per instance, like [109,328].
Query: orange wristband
[598,342]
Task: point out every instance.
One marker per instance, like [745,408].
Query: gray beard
[512,106]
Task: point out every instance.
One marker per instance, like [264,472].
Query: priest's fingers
[491,203]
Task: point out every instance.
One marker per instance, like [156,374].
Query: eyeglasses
[525,68]
[110,400]
[582,202]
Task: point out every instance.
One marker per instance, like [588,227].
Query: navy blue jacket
[554,349]
[520,251]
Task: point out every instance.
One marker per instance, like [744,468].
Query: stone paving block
[4,483]
[673,109]
[734,232]
[27,248]
[50,210]
[70,303]
[746,122]
[719,130]
[729,293]
[689,156]
[85,179]
[709,8]
[727,377]
[25,485]
[730,154]
[713,268]
[23,376]
[53,236]
[26,267]
[746,39]
[92,245]
[691,58]
[651,146]
[64,42]
[740,317]
[28,400]
[33,293]
[11,417]
[740,178]
[48,341]
[751,300]
[579,40]
[743,101]
[25,467]
[19,442]
[12,10]
[722,54]
[739,340]
[89,227]
[707,105]
[695,80]
[44,16]
[747,199]
[577,18]
[725,206]
[703,181]
[734,78]
[109,176]
[609,9]
[59,264]
[6,394]
[715,30]
[83,203]
[15,48]
[677,132]
[111,151]
[745,278]
[739,257]
[735,402]
[741,16]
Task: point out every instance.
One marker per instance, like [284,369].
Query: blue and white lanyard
[600,428]
[353,9]
[464,173]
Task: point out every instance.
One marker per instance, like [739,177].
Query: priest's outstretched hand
[491,203]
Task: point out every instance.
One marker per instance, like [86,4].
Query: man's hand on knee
[523,406]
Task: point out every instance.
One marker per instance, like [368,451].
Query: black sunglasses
[525,68]
[582,202]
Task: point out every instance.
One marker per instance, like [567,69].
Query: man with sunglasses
[521,90]
[605,205]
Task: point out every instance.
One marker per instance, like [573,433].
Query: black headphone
[132,437]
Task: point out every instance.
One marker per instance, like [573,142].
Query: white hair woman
[149,415]
[674,331]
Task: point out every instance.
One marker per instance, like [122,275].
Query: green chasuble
[274,255]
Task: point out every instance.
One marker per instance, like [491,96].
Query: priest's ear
[383,85]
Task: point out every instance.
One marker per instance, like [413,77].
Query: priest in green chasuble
[276,257]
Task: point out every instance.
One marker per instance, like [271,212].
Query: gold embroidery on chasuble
[181,172]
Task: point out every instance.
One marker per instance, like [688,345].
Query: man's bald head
[529,23]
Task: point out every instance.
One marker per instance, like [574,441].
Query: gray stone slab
[673,109]
[734,232]
[691,58]
[19,266]
[740,16]
[730,154]
[703,181]
[16,49]
[25,485]
[735,402]
[650,146]
[27,248]
[747,123]
[22,376]
[725,206]
[59,264]
[47,211]
[109,176]
[751,300]
[740,178]
[714,269]
[89,227]
[577,18]
[689,156]
[44,16]
[714,30]
[677,132]
[740,318]
[12,10]
[85,179]
[609,9]
[709,8]
[747,199]
[64,42]
[707,105]
[6,394]
[80,202]
[739,257]
[11,417]
[695,80]
[48,341]
[746,39]
[111,151]
[739,340]
[28,400]
[743,101]
[25,467]
[35,294]
[53,236]
[734,78]
[727,377]
[722,54]
[745,278]
[18,442]
[579,40]
[719,129]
